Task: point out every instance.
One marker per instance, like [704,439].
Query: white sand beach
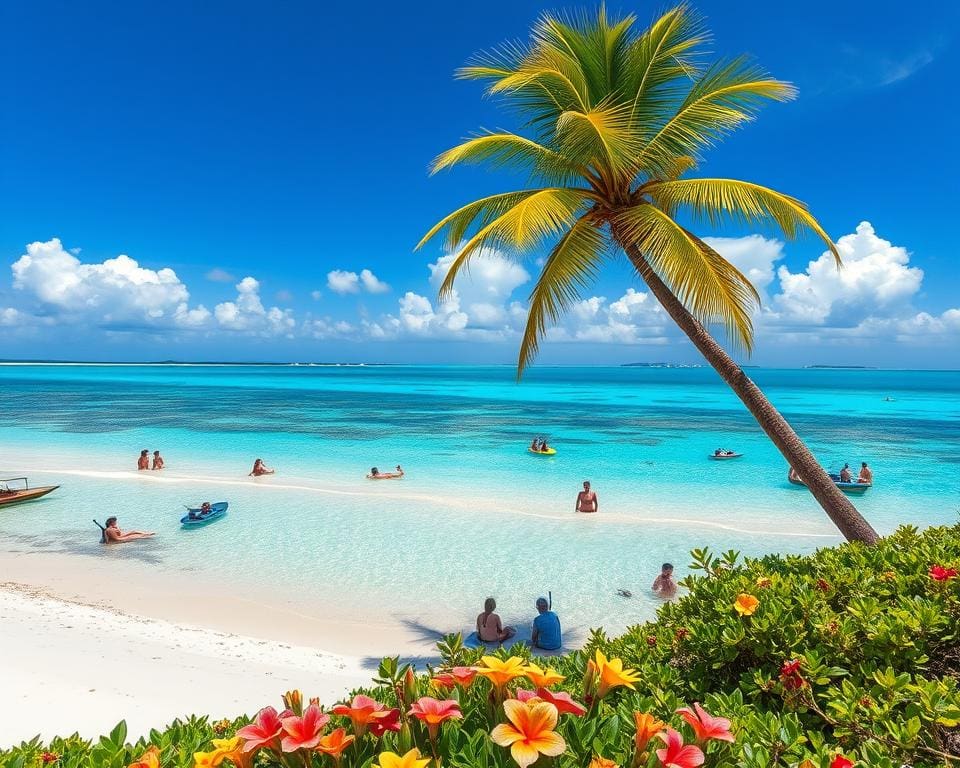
[83,646]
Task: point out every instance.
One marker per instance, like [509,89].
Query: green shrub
[851,653]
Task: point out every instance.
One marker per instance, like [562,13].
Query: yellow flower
[542,678]
[529,732]
[207,759]
[602,762]
[498,672]
[410,760]
[612,674]
[764,581]
[746,604]
[889,576]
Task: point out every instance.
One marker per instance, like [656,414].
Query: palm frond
[709,286]
[480,212]
[603,138]
[710,200]
[665,54]
[542,214]
[725,97]
[511,151]
[573,264]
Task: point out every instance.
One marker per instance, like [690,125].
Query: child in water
[664,585]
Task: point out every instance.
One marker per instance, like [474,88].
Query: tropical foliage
[849,657]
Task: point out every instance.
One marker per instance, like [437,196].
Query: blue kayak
[195,517]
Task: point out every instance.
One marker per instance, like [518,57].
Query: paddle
[103,532]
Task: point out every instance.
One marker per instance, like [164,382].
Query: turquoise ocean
[476,514]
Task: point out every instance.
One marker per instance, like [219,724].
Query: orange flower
[746,604]
[498,672]
[542,678]
[647,727]
[451,678]
[529,732]
[433,713]
[149,759]
[335,742]
[411,759]
[612,674]
[602,762]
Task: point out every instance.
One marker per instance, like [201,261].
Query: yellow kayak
[548,452]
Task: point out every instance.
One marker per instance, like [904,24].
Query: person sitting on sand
[664,585]
[866,474]
[113,533]
[259,468]
[546,628]
[587,500]
[845,476]
[144,461]
[157,460]
[489,628]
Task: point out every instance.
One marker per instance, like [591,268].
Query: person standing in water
[587,500]
[157,460]
[664,585]
[144,461]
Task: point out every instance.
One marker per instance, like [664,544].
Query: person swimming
[489,628]
[259,468]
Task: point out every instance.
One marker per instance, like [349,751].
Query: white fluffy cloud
[10,317]
[634,318]
[341,281]
[875,280]
[117,292]
[247,313]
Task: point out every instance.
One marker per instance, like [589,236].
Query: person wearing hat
[546,628]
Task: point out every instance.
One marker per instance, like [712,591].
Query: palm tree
[616,118]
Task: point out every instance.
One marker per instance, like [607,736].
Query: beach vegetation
[849,657]
[614,118]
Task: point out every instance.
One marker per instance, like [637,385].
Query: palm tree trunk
[837,506]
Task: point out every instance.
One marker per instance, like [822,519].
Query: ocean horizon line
[369,364]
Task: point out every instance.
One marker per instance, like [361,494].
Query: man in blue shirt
[546,627]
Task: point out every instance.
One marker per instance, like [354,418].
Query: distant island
[844,367]
[661,365]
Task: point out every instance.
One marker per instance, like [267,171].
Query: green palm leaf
[573,264]
[511,151]
[709,200]
[709,286]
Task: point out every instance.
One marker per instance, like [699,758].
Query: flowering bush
[847,658]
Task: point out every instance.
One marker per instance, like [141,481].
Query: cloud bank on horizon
[874,298]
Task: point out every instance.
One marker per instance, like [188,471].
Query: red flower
[940,573]
[303,732]
[561,700]
[365,713]
[841,762]
[263,731]
[676,754]
[681,633]
[705,725]
[823,586]
[434,713]
[456,676]
[49,757]
[651,640]
[385,720]
[790,675]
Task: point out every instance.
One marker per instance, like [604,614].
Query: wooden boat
[724,456]
[845,487]
[9,496]
[196,517]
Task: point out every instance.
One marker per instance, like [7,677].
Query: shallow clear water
[476,514]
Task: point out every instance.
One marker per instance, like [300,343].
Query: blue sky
[284,142]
